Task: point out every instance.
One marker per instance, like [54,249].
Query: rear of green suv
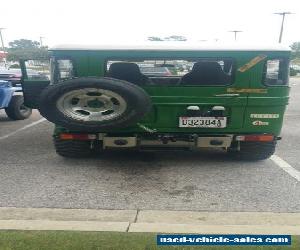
[163,97]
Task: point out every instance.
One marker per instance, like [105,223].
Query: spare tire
[94,104]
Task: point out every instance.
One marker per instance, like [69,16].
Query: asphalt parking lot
[32,175]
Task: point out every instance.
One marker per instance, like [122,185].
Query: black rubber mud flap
[138,103]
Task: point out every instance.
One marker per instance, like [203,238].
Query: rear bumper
[188,141]
[167,141]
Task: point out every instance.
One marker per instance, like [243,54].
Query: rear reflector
[254,138]
[83,137]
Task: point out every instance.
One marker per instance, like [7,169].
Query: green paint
[170,102]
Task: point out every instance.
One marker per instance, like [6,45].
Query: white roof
[177,46]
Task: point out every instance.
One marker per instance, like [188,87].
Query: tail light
[262,138]
[81,137]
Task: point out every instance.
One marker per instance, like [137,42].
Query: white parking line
[286,167]
[23,128]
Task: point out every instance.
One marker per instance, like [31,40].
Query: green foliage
[168,38]
[154,38]
[14,66]
[176,38]
[24,44]
[293,72]
[26,49]
[17,54]
[295,50]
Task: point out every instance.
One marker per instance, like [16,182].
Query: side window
[38,70]
[65,69]
[276,72]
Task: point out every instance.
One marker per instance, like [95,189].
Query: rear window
[201,71]
[276,72]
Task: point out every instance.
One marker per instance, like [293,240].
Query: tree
[26,49]
[16,55]
[176,38]
[173,38]
[154,39]
[24,44]
[295,50]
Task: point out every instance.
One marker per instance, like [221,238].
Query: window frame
[194,59]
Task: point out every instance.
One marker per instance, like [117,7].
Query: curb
[213,229]
[149,221]
[63,225]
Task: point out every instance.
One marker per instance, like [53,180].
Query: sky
[132,21]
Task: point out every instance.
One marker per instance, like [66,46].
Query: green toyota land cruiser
[162,96]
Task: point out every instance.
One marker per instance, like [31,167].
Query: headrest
[206,66]
[123,69]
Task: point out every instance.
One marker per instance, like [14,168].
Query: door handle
[227,95]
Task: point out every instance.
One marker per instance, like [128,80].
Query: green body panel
[170,102]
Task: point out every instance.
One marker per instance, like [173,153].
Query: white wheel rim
[91,104]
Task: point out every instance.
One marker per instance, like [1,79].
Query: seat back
[127,71]
[206,73]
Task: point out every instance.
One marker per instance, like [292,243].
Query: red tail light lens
[82,137]
[262,138]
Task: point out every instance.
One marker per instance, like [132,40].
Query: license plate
[202,122]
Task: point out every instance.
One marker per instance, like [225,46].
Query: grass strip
[63,240]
